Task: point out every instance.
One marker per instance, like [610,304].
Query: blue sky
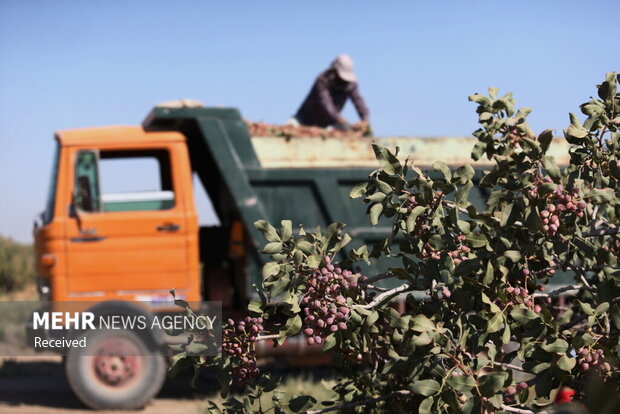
[66,64]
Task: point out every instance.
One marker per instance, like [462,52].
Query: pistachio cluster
[513,389]
[326,309]
[561,204]
[521,295]
[238,342]
[589,359]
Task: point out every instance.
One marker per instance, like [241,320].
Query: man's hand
[363,127]
[342,125]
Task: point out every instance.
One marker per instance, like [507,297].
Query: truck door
[129,235]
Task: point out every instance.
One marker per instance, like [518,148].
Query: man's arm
[326,101]
[359,103]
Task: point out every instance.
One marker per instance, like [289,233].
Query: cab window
[113,181]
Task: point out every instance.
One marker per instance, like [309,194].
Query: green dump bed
[306,180]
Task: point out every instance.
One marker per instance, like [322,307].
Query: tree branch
[603,232]
[380,289]
[515,410]
[582,273]
[376,278]
[566,289]
[572,323]
[452,204]
[266,337]
[509,366]
[582,318]
[358,403]
[385,296]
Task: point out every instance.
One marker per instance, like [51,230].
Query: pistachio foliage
[482,330]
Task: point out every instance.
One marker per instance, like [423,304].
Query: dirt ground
[38,385]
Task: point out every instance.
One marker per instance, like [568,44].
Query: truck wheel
[115,371]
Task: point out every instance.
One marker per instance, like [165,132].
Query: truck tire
[115,370]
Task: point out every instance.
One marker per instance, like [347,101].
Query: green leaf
[426,406]
[421,340]
[387,161]
[306,247]
[523,316]
[178,363]
[271,269]
[497,400]
[495,323]
[361,253]
[513,255]
[479,99]
[301,403]
[272,248]
[376,197]
[488,301]
[359,190]
[463,174]
[444,169]
[566,363]
[555,346]
[601,195]
[286,230]
[506,334]
[478,150]
[601,309]
[489,274]
[614,168]
[606,91]
[255,306]
[298,257]
[574,135]
[384,187]
[372,318]
[375,211]
[463,193]
[293,325]
[533,145]
[506,210]
[547,188]
[330,342]
[533,222]
[314,261]
[461,383]
[425,387]
[493,382]
[586,308]
[477,240]
[421,323]
[412,217]
[545,138]
[467,267]
[574,120]
[269,232]
[522,113]
[552,167]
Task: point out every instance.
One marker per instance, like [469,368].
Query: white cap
[344,67]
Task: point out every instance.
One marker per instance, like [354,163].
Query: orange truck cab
[134,245]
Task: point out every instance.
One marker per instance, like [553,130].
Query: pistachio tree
[482,332]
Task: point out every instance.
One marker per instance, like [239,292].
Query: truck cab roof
[126,135]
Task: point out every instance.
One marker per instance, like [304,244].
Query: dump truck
[112,247]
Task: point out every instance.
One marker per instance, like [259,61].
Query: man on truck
[328,95]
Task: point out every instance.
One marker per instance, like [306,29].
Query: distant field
[16,265]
